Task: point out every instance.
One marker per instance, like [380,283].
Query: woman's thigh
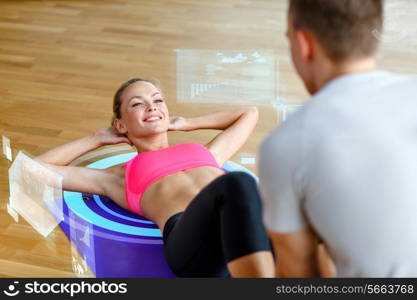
[194,246]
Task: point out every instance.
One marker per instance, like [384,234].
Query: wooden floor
[61,62]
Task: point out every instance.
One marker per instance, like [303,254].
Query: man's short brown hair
[344,28]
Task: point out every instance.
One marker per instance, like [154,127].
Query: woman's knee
[241,188]
[240,179]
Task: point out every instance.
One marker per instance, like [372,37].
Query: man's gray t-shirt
[345,164]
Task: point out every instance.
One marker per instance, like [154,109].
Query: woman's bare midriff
[173,193]
[168,195]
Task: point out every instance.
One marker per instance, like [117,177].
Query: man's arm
[282,178]
[296,253]
[301,255]
[325,262]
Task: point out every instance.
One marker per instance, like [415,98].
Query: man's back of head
[330,38]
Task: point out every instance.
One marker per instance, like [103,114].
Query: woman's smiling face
[143,110]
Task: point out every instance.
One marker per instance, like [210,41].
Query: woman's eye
[158,101]
[137,104]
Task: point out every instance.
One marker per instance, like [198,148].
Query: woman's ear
[119,126]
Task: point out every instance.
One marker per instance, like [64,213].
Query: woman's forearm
[66,153]
[217,120]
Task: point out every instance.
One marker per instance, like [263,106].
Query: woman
[211,221]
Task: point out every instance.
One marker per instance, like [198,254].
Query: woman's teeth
[153,119]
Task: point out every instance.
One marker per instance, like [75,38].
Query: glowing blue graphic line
[77,205]
[108,210]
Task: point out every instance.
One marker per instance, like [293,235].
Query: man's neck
[332,71]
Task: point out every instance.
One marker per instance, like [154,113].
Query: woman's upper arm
[83,179]
[230,140]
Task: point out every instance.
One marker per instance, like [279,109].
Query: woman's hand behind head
[109,136]
[177,123]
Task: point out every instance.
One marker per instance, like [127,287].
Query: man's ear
[119,126]
[306,45]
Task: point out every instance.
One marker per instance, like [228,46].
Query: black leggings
[222,223]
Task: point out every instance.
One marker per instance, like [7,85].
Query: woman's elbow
[253,111]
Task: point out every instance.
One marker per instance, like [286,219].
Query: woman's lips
[151,119]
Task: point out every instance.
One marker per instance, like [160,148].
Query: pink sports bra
[147,167]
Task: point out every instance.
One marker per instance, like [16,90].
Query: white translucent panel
[36,193]
[205,76]
[12,213]
[82,237]
[286,110]
[7,150]
[247,158]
